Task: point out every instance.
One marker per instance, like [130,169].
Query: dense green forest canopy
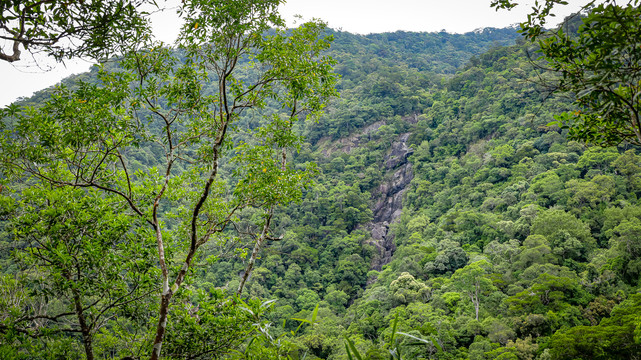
[439,210]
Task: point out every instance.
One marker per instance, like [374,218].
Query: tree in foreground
[64,30]
[237,62]
[598,64]
[81,264]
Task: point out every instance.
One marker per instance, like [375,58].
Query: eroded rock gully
[388,199]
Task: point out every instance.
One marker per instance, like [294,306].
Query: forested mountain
[447,219]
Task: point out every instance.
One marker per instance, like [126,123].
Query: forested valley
[331,196]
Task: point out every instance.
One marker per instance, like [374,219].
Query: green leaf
[349,354]
[394,329]
[353,347]
[422,341]
[314,314]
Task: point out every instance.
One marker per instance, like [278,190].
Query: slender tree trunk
[252,259]
[168,292]
[263,234]
[84,328]
[476,308]
[636,127]
[474,296]
[162,325]
[165,296]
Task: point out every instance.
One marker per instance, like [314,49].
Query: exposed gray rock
[412,119]
[389,201]
[373,128]
[399,152]
[379,230]
[389,195]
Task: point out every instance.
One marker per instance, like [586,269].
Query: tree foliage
[597,63]
[81,138]
[64,30]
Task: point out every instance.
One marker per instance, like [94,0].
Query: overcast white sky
[357,16]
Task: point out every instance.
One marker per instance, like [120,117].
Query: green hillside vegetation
[511,241]
[501,238]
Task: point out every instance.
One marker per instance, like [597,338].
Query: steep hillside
[445,208]
[479,226]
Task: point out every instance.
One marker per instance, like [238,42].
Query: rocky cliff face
[388,197]
[388,200]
